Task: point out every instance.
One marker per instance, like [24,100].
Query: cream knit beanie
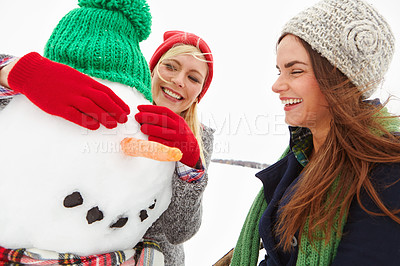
[352,35]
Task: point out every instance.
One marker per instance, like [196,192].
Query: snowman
[69,189]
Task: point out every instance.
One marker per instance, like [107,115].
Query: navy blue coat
[367,240]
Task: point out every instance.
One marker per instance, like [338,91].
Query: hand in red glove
[63,91]
[166,127]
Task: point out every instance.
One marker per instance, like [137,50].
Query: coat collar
[300,147]
[276,181]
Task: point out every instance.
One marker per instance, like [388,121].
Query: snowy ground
[228,197]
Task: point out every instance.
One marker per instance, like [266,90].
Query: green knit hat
[101,39]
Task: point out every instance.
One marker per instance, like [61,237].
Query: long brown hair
[344,161]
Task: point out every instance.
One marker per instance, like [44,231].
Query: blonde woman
[182,69]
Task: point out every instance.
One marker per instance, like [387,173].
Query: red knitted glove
[63,91]
[166,127]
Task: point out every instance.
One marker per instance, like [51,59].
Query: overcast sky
[247,116]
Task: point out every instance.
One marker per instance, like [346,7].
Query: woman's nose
[279,85]
[178,79]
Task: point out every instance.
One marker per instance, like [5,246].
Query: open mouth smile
[171,93]
[289,102]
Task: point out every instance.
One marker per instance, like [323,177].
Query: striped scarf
[146,253]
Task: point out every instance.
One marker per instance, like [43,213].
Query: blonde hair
[190,115]
[191,118]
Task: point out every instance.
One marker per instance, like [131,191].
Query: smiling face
[298,89]
[177,81]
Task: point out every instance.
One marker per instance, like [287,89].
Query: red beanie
[173,38]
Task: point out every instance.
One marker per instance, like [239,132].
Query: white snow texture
[46,158]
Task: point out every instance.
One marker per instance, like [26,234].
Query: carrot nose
[150,149]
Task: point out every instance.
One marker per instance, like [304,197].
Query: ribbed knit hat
[351,35]
[101,39]
[174,38]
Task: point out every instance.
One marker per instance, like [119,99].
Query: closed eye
[194,79]
[169,66]
[297,71]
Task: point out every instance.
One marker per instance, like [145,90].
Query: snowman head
[103,199]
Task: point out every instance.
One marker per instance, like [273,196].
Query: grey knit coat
[182,219]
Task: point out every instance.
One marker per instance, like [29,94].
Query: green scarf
[247,247]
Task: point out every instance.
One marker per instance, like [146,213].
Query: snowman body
[68,189]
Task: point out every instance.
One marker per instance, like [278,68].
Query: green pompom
[137,12]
